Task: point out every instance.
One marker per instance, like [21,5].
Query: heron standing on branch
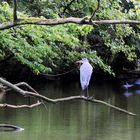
[85,74]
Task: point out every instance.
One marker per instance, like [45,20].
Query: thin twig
[56,75]
[27,85]
[114,107]
[98,5]
[32,89]
[67,6]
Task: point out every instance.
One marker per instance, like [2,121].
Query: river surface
[74,120]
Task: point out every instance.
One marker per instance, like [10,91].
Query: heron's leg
[91,97]
[87,93]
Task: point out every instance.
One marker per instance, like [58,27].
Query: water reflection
[127,94]
[75,120]
[131,89]
[2,94]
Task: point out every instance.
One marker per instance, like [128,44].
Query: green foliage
[41,48]
[54,49]
[4,12]
[114,38]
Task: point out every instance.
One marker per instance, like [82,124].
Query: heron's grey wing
[89,71]
[85,75]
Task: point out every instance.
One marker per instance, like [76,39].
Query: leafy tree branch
[81,21]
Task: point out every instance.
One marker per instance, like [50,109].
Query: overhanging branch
[57,21]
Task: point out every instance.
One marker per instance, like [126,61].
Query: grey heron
[85,74]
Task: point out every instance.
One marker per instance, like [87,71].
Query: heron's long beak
[78,62]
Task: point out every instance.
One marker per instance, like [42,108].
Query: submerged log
[9,127]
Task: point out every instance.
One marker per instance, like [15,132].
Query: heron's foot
[90,98]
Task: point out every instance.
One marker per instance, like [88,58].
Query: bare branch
[10,85]
[27,85]
[38,96]
[98,5]
[15,10]
[77,98]
[19,106]
[57,21]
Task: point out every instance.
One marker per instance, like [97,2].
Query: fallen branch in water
[44,98]
[9,127]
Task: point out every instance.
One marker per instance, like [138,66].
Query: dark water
[75,120]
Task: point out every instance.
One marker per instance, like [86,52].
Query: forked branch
[44,98]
